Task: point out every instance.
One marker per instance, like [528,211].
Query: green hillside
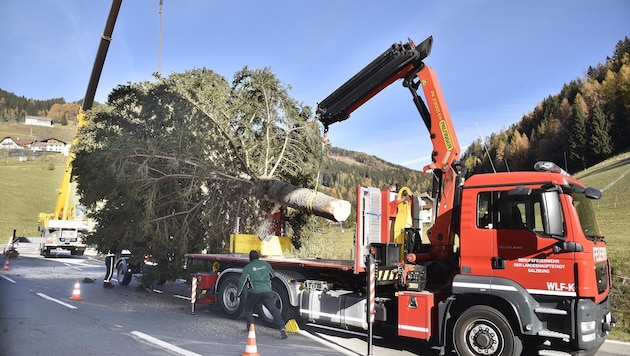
[63,133]
[613,178]
[29,187]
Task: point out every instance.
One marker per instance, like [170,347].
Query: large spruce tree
[166,167]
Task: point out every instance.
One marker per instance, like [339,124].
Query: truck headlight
[588,337]
[588,326]
[588,330]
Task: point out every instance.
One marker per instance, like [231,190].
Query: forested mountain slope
[586,123]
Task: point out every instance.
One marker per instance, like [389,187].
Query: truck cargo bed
[276,262]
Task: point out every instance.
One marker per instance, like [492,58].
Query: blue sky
[495,59]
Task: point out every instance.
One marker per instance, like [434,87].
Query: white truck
[64,234]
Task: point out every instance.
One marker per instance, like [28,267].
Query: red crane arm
[405,61]
[395,63]
[400,61]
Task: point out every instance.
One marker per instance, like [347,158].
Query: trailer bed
[276,262]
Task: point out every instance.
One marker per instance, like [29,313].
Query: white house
[14,143]
[38,121]
[47,145]
[52,145]
[426,215]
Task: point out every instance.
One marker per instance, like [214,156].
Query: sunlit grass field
[613,213]
[28,188]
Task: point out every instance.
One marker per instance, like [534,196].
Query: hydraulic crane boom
[405,61]
[396,62]
[63,209]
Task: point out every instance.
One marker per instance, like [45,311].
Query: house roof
[19,141]
[38,118]
[53,139]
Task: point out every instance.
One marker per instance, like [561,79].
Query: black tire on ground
[483,330]
[230,302]
[281,298]
[123,274]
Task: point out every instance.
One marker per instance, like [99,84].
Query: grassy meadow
[613,178]
[29,187]
[63,133]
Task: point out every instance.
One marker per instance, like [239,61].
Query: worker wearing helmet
[257,276]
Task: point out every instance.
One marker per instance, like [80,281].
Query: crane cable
[321,158]
[160,42]
[311,198]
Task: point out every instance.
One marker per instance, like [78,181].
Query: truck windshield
[67,233]
[587,216]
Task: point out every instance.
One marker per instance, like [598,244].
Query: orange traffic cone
[6,264]
[250,349]
[76,293]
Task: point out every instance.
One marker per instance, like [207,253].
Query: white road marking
[322,340]
[8,279]
[56,301]
[163,344]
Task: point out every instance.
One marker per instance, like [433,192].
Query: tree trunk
[303,199]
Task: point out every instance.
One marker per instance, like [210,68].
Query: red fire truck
[512,260]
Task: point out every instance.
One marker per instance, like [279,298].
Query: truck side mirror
[592,193]
[552,219]
[567,247]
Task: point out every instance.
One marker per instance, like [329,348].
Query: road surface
[38,317]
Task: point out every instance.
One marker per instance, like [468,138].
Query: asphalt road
[37,317]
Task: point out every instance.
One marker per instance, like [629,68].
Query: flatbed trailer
[302,287]
[240,260]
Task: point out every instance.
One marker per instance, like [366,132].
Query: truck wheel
[483,330]
[281,298]
[228,297]
[123,275]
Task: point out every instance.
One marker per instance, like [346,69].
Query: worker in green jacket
[257,276]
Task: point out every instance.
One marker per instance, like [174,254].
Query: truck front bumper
[593,323]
